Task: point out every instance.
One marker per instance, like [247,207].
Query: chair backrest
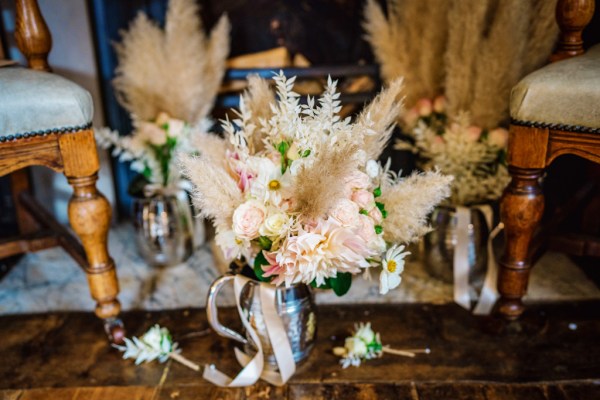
[32,34]
[572,17]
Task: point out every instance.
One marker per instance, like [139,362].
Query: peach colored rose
[162,118]
[364,199]
[473,133]
[376,215]
[357,180]
[152,133]
[498,137]
[424,107]
[248,218]
[439,104]
[411,116]
[345,212]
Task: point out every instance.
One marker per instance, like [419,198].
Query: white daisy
[392,266]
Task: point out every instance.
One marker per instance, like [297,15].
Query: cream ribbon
[489,292]
[253,367]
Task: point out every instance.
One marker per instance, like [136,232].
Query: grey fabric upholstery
[565,93]
[33,101]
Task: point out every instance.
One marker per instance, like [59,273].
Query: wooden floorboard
[552,353]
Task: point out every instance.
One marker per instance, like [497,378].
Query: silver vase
[439,245]
[294,305]
[164,227]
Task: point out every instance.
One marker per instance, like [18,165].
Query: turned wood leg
[521,211]
[89,215]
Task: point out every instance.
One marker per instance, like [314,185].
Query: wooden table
[553,352]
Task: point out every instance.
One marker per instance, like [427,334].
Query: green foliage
[259,261]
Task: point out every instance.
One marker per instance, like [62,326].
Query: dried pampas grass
[216,193]
[257,100]
[177,70]
[408,45]
[321,183]
[409,202]
[376,121]
[473,51]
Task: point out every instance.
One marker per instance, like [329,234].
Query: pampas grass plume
[409,202]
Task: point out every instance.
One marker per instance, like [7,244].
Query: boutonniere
[365,344]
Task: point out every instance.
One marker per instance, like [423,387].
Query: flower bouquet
[167,80]
[296,191]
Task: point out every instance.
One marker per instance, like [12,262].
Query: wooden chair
[554,111]
[46,120]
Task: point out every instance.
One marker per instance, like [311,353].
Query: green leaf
[341,283]
[265,243]
[384,213]
[364,212]
[381,206]
[378,229]
[259,261]
[283,147]
[377,192]
[306,153]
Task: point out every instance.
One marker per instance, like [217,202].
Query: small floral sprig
[156,344]
[365,344]
[476,157]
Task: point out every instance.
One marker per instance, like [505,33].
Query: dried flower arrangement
[471,52]
[295,190]
[167,80]
[475,157]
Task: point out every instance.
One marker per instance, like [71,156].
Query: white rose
[346,212]
[356,346]
[372,168]
[274,225]
[176,127]
[248,218]
[157,339]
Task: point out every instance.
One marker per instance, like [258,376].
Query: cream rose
[248,218]
[176,127]
[153,133]
[365,333]
[274,225]
[346,212]
[364,199]
[356,346]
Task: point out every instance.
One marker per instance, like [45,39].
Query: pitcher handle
[212,314]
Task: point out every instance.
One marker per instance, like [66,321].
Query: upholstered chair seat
[565,94]
[37,102]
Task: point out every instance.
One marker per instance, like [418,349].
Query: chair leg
[521,210]
[89,215]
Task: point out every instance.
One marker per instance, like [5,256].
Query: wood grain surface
[552,352]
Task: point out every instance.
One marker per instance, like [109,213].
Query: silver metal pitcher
[294,305]
[438,245]
[164,227]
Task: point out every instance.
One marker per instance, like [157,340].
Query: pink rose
[424,107]
[364,199]
[498,137]
[357,180]
[411,116]
[473,133]
[376,215]
[439,104]
[345,212]
[247,219]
